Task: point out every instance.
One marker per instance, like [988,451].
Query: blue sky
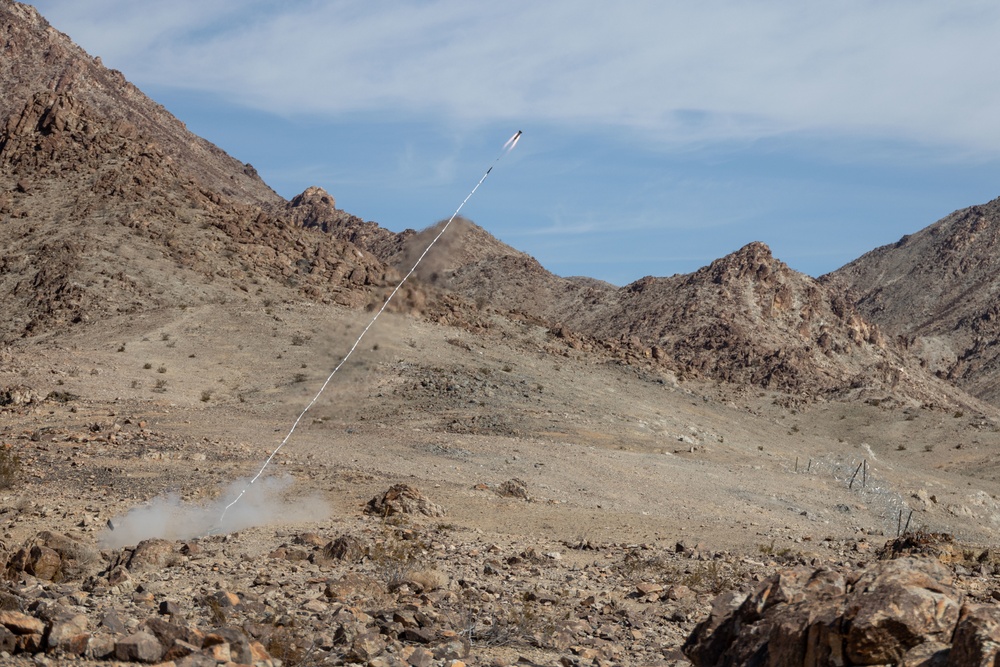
[658,134]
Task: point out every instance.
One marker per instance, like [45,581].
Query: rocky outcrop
[68,91]
[110,206]
[402,499]
[51,557]
[903,611]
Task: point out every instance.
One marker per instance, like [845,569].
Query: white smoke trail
[168,517]
[507,147]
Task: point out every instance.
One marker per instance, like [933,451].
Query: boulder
[69,633]
[139,647]
[977,636]
[897,606]
[514,488]
[402,499]
[153,554]
[7,640]
[43,563]
[900,612]
[239,645]
[21,624]
[344,548]
[50,557]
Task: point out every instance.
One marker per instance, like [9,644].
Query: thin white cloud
[915,70]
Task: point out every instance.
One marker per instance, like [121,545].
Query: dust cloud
[168,517]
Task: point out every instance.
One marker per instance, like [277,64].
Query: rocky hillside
[109,206]
[746,319]
[47,79]
[936,290]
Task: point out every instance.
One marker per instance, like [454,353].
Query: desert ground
[553,472]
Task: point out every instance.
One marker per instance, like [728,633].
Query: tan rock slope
[936,291]
[110,206]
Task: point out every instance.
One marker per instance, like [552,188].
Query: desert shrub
[520,622]
[216,614]
[10,467]
[713,577]
[395,560]
[292,651]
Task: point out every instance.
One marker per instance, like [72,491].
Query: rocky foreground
[398,585]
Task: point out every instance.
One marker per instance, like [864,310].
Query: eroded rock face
[905,611]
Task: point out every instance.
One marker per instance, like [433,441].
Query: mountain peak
[753,261]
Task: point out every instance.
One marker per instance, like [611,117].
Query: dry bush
[637,564]
[10,467]
[428,579]
[396,559]
[79,560]
[216,614]
[520,623]
[283,645]
[713,577]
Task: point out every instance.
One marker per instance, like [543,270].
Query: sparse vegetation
[396,559]
[713,577]
[282,645]
[206,395]
[216,614]
[10,467]
[777,553]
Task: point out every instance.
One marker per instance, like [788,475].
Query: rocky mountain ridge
[937,291]
[111,207]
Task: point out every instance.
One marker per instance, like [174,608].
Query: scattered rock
[18,395]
